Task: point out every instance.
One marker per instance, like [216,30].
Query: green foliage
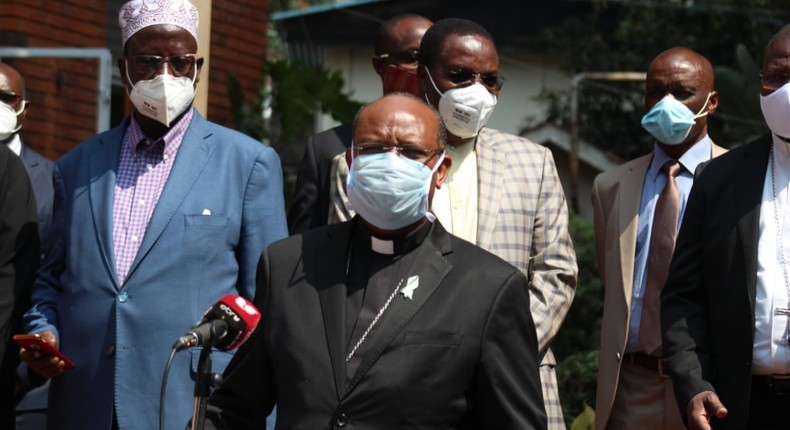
[298,93]
[739,101]
[576,345]
[577,376]
[626,36]
[585,420]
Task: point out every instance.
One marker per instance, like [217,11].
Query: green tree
[296,94]
[626,36]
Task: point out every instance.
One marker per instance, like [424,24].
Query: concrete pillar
[204,47]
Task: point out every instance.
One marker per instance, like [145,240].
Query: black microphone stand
[204,381]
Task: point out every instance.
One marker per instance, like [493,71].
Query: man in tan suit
[634,391]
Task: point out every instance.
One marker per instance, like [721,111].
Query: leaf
[585,420]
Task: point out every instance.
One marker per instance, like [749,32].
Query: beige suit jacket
[616,196]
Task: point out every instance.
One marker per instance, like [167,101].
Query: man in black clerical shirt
[387,321]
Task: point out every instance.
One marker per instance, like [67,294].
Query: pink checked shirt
[143,169]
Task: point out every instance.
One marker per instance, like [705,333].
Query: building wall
[238,47]
[63,94]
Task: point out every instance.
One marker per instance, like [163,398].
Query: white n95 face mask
[164,97]
[465,110]
[389,191]
[9,120]
[776,111]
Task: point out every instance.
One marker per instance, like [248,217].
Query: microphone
[225,325]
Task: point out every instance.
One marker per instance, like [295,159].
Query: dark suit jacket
[311,199]
[462,354]
[39,169]
[19,258]
[707,305]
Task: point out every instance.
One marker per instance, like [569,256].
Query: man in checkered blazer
[503,192]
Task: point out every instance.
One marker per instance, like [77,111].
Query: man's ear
[443,171]
[713,102]
[348,158]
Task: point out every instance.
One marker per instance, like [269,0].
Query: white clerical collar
[15,144]
[382,246]
[387,247]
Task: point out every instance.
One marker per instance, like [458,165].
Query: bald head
[400,32]
[399,119]
[11,80]
[688,77]
[397,44]
[12,93]
[776,62]
[401,124]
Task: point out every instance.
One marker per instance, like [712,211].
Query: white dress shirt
[771,352]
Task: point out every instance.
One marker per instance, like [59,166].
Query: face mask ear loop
[700,114]
[19,112]
[126,70]
[432,83]
[438,163]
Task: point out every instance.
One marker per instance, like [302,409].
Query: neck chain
[378,315]
[780,242]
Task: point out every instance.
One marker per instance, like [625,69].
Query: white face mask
[465,110]
[9,120]
[776,111]
[389,191]
[164,97]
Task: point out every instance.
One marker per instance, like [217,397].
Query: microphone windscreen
[240,315]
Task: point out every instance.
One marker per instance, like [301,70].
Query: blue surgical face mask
[389,191]
[670,121]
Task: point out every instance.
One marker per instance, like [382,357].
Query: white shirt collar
[15,144]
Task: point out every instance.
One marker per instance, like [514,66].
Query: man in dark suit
[38,167]
[395,61]
[387,321]
[724,308]
[19,258]
[31,401]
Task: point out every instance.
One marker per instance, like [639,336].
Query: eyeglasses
[408,56]
[774,81]
[147,65]
[10,98]
[412,153]
[460,75]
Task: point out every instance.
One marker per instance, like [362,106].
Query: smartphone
[28,340]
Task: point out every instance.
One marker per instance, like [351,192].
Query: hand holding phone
[34,342]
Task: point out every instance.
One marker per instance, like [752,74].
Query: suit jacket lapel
[628,201]
[489,180]
[191,159]
[748,198]
[431,267]
[331,259]
[103,168]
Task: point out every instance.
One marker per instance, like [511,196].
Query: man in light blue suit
[153,222]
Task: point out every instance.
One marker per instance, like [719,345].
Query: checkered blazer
[523,218]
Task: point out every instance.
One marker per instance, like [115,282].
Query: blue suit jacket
[119,336]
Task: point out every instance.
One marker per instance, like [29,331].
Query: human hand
[702,408]
[48,366]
